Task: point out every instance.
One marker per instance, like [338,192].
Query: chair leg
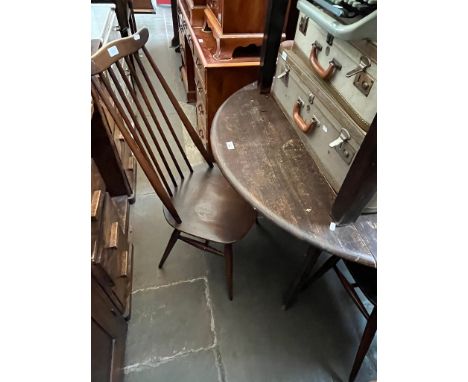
[170,245]
[228,267]
[351,292]
[367,337]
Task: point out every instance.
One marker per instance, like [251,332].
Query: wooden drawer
[97,203]
[200,89]
[181,36]
[201,129]
[98,193]
[201,120]
[199,71]
[108,334]
[181,21]
[201,104]
[194,9]
[123,210]
[99,241]
[113,236]
[189,42]
[113,261]
[183,54]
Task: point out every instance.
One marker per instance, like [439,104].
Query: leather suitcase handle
[300,121]
[324,74]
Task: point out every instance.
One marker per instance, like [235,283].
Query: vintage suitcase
[329,133]
[343,57]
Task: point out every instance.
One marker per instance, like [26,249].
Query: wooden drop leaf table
[261,155]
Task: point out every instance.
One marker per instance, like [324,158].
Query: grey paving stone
[150,235]
[196,367]
[315,340]
[168,321]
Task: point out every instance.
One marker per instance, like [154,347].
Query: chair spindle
[163,111]
[141,157]
[136,134]
[188,126]
[145,120]
[149,107]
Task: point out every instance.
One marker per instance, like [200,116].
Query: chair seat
[210,208]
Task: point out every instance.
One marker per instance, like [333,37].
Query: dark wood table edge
[296,232]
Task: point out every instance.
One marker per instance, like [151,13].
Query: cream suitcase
[302,98]
[346,67]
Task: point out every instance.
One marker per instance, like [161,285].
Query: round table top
[261,155]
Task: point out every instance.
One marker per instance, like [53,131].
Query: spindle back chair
[197,200]
[365,278]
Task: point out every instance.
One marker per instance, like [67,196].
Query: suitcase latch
[284,74]
[303,22]
[342,146]
[363,65]
[362,80]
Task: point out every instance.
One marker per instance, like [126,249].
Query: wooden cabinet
[108,149]
[108,335]
[239,16]
[111,252]
[237,26]
[207,80]
[111,280]
[195,12]
[113,186]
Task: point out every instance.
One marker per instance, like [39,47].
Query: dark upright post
[121,11]
[175,40]
[274,23]
[291,20]
[122,16]
[131,18]
[360,183]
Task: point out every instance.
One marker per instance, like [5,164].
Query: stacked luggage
[326,84]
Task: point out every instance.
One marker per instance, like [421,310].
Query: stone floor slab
[315,340]
[192,367]
[150,235]
[168,321]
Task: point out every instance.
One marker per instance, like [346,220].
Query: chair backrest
[108,90]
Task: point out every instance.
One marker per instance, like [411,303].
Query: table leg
[296,286]
[327,265]
[175,25]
